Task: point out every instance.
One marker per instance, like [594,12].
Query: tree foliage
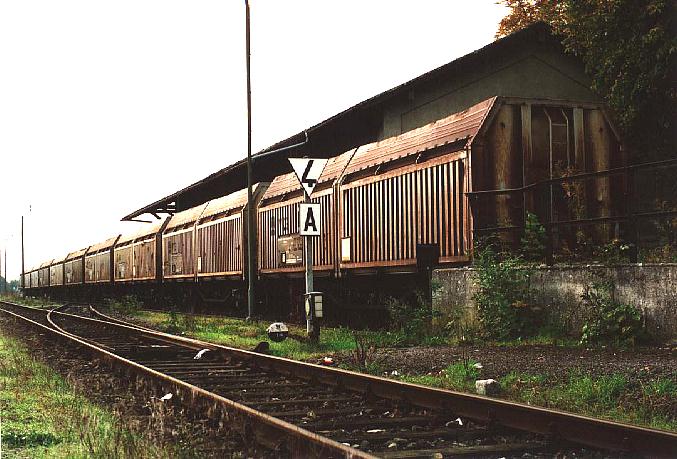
[628,48]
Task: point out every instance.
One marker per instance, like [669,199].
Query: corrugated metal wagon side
[221,235]
[404,195]
[43,274]
[147,248]
[74,267]
[280,245]
[99,262]
[56,270]
[179,245]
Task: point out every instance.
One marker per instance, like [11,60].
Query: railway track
[305,410]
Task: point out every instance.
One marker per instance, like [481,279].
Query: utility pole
[5,271]
[23,267]
[5,282]
[251,269]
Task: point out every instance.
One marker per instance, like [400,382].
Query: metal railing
[628,215]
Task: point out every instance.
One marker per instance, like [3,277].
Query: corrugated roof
[107,244]
[462,126]
[59,260]
[76,254]
[288,183]
[236,200]
[46,264]
[187,216]
[145,230]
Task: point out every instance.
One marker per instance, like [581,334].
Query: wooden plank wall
[386,216]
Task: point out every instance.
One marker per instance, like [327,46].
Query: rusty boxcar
[135,253]
[43,274]
[405,193]
[179,244]
[221,235]
[99,262]
[56,272]
[280,245]
[74,267]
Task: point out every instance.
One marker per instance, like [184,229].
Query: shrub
[607,320]
[413,318]
[534,239]
[503,295]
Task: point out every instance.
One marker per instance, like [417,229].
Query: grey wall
[652,288]
[528,74]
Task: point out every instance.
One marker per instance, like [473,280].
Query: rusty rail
[554,425]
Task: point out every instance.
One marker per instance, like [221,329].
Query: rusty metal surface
[144,259]
[384,217]
[56,274]
[123,262]
[289,183]
[281,220]
[187,217]
[146,230]
[105,245]
[462,126]
[233,202]
[221,246]
[76,254]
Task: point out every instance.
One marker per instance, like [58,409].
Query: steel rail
[557,425]
[269,431]
[579,429]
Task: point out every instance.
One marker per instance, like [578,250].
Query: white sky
[108,106]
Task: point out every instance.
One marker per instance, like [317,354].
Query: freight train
[390,210]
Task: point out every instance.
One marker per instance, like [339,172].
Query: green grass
[459,377]
[26,301]
[246,335]
[608,396]
[43,418]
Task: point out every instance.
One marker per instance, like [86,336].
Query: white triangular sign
[308,171]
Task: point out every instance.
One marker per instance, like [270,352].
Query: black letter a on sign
[310,221]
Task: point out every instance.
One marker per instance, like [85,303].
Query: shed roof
[288,183]
[107,244]
[456,128]
[361,120]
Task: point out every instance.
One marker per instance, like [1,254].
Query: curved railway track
[305,410]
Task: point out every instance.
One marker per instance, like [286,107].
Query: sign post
[308,171]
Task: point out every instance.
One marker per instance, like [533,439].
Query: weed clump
[607,320]
[503,298]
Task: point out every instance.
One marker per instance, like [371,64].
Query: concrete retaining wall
[652,288]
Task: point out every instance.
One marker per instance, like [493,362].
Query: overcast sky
[108,106]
